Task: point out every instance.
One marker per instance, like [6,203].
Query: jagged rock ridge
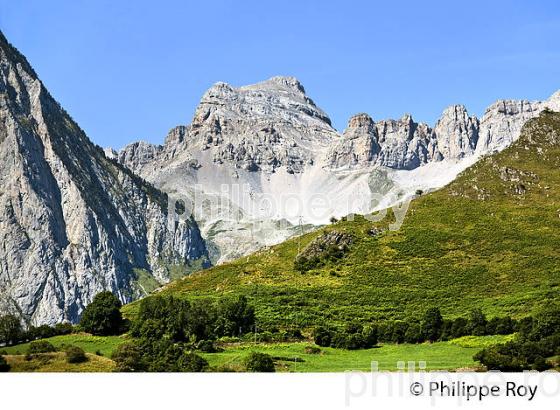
[274,139]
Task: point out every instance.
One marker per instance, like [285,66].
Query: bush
[322,336]
[540,364]
[4,366]
[75,354]
[128,358]
[206,346]
[370,336]
[520,355]
[259,362]
[40,346]
[193,363]
[102,316]
[312,350]
[355,341]
[293,334]
[63,328]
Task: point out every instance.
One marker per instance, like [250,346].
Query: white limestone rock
[73,222]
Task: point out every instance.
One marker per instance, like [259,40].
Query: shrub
[540,364]
[370,336]
[493,359]
[340,340]
[75,354]
[312,350]
[4,366]
[40,332]
[355,341]
[353,327]
[293,334]
[322,336]
[40,346]
[128,358]
[259,362]
[63,328]
[206,346]
[193,363]
[102,316]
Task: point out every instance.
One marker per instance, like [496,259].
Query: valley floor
[452,355]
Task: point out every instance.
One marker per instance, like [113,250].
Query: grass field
[90,344]
[56,362]
[452,355]
[457,354]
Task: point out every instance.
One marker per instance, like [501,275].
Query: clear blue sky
[129,70]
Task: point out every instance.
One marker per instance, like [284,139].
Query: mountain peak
[286,81]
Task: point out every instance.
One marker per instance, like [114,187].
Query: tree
[459,328]
[103,316]
[11,331]
[173,317]
[414,333]
[477,323]
[4,366]
[75,354]
[128,358]
[546,323]
[432,324]
[259,362]
[234,317]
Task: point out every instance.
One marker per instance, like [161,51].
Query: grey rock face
[405,144]
[359,145]
[73,222]
[260,127]
[456,133]
[273,139]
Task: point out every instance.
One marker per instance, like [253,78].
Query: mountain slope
[256,160]
[489,239]
[72,221]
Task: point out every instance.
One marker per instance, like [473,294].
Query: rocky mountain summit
[270,140]
[72,221]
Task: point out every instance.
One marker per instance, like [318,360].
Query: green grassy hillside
[489,239]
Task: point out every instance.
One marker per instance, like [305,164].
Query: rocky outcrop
[359,145]
[456,133]
[502,123]
[404,144]
[73,222]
